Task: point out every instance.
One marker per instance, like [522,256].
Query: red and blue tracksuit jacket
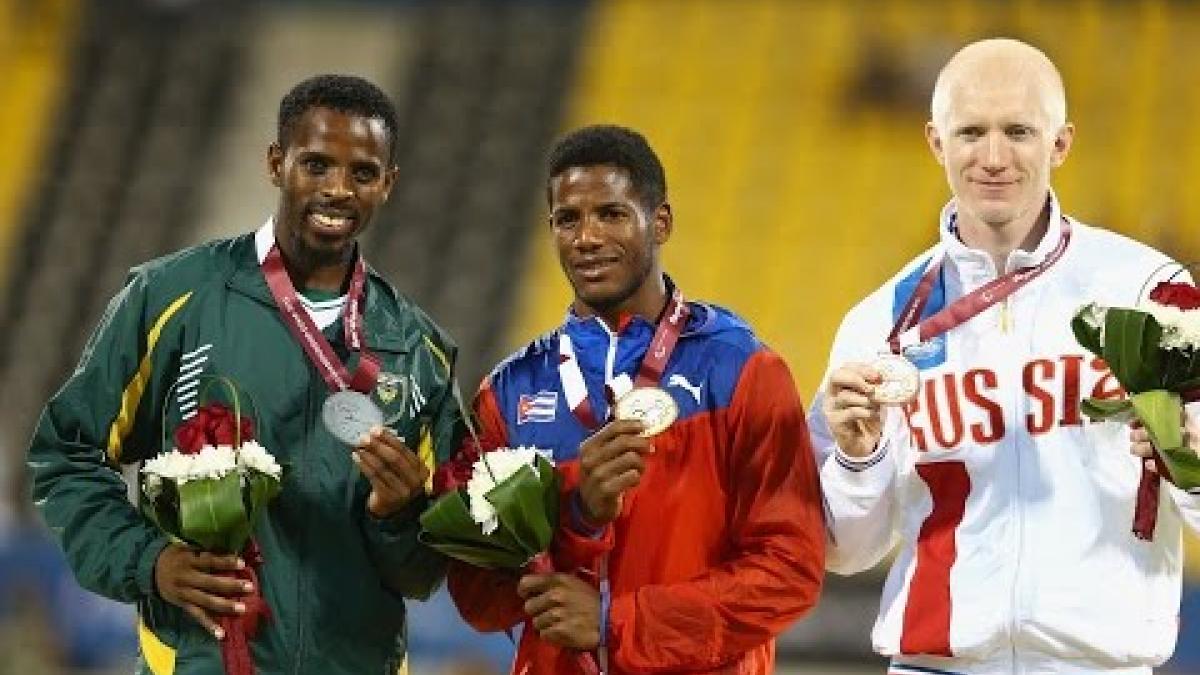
[722,544]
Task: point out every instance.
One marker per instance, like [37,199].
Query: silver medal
[900,379]
[349,415]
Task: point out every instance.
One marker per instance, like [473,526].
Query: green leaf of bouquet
[520,503]
[1184,466]
[1182,370]
[257,491]
[448,515]
[1106,408]
[1161,413]
[449,519]
[1131,348]
[476,553]
[210,511]
[164,511]
[260,490]
[1087,335]
[549,479]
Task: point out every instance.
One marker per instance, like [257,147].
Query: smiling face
[607,240]
[332,175]
[999,131]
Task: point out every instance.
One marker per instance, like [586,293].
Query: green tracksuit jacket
[334,576]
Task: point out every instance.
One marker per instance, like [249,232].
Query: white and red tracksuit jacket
[1012,511]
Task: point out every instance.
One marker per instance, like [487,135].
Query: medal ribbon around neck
[908,332]
[337,377]
[662,345]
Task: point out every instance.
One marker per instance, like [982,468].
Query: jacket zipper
[1018,503]
[610,360]
[301,610]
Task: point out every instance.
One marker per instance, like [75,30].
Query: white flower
[253,456]
[211,462]
[492,468]
[1181,328]
[173,465]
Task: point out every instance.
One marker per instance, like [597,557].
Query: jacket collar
[385,311]
[597,347]
[976,262]
[247,277]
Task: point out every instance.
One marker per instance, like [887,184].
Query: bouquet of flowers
[1154,352]
[498,510]
[208,491]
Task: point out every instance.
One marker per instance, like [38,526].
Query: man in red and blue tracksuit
[687,551]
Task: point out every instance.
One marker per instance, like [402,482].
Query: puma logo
[677,380]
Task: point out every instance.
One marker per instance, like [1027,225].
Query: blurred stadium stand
[791,132]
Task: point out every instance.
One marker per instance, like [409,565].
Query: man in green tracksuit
[339,543]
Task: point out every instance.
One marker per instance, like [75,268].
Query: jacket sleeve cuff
[144,574]
[859,475]
[396,525]
[576,545]
[579,523]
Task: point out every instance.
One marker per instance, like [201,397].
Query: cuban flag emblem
[537,407]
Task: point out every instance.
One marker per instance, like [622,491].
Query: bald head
[997,63]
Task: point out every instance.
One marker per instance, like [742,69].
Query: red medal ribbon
[666,334]
[337,377]
[970,305]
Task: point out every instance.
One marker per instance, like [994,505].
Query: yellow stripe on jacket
[160,658]
[132,396]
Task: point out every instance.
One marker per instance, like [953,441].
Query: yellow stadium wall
[34,42]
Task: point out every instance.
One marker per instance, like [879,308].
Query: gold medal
[900,379]
[654,407]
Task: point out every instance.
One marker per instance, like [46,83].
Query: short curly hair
[617,146]
[344,93]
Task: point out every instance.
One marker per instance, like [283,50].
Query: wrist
[146,575]
[393,514]
[581,521]
[857,447]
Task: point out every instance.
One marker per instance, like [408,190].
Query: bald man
[949,421]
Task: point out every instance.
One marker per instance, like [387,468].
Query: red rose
[189,438]
[455,473]
[1181,296]
[213,424]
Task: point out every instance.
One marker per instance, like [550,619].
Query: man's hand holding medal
[611,462]
[394,471]
[854,408]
